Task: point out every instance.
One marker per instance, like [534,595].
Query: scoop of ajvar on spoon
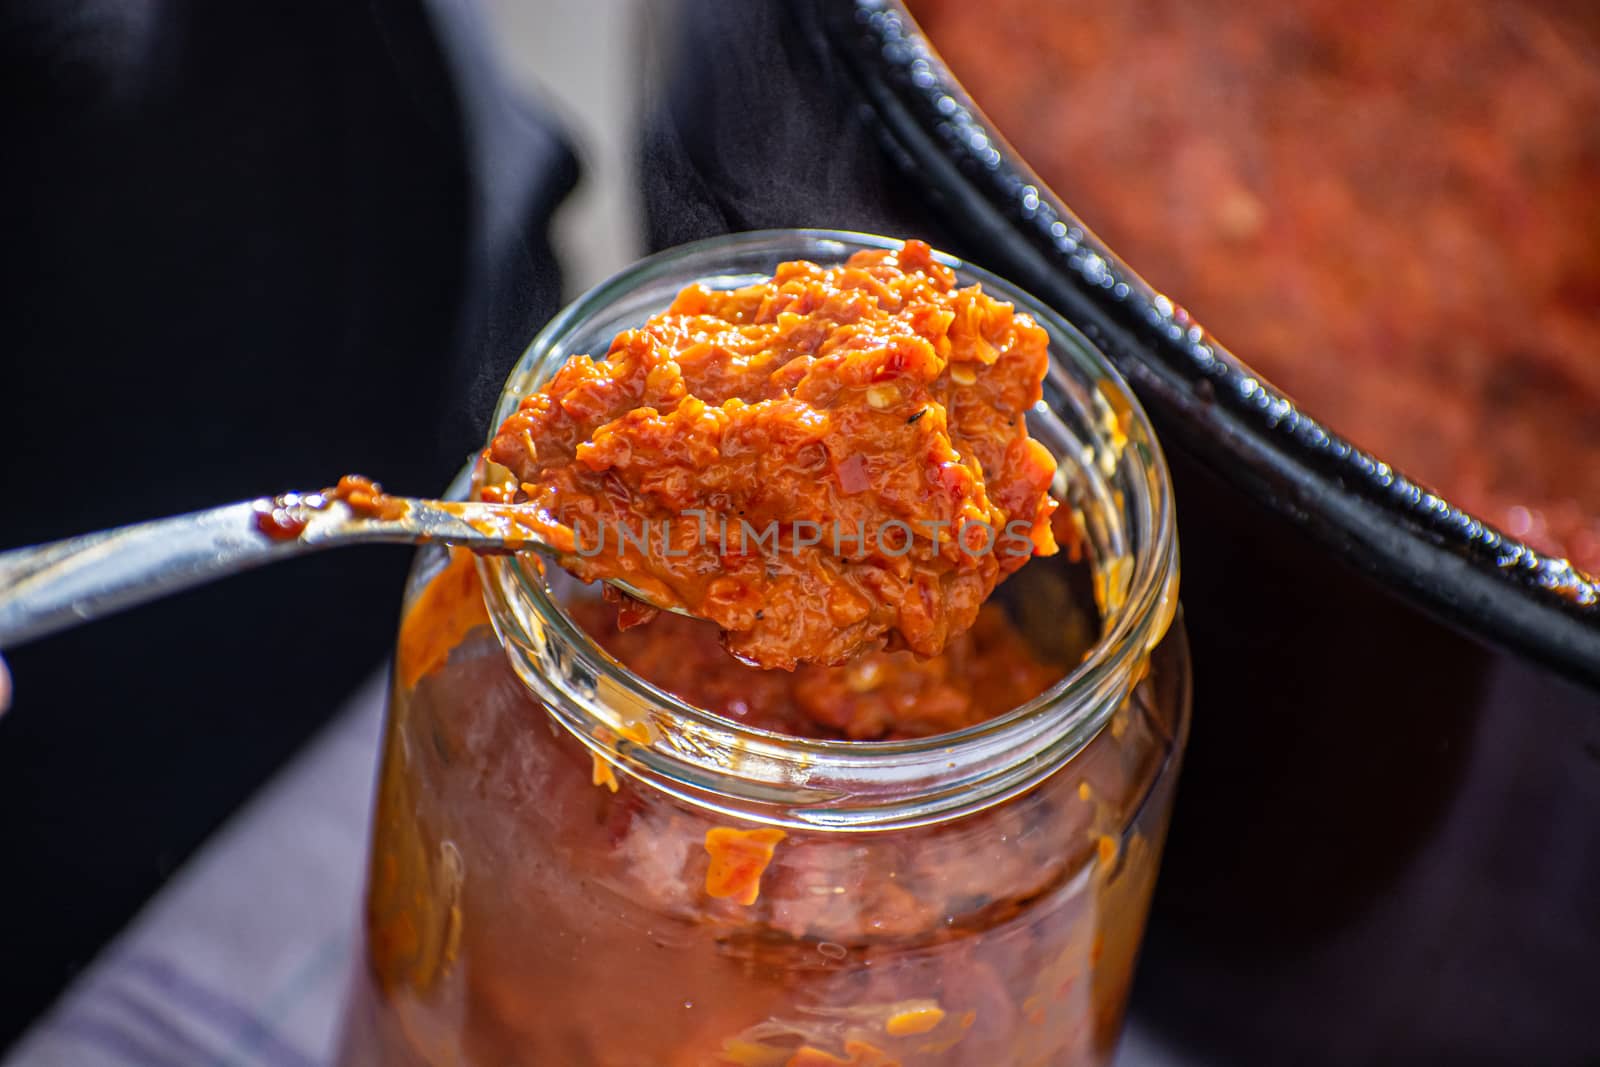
[875,405]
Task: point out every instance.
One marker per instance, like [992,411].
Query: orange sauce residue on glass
[444,612]
[916,1020]
[860,1053]
[738,859]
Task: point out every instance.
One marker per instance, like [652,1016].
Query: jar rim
[746,770]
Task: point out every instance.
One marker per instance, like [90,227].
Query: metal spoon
[50,587]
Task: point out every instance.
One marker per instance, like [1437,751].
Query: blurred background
[251,247]
[582,61]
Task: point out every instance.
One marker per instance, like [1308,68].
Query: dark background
[247,247]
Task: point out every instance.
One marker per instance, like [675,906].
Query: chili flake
[917,1020]
[861,1054]
[447,609]
[738,859]
[602,773]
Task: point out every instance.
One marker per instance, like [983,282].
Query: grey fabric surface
[242,960]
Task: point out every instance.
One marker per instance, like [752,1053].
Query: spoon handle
[50,587]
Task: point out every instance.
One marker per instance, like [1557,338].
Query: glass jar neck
[1112,475]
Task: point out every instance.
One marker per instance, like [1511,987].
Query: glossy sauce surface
[831,461]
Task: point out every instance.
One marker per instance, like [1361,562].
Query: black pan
[1221,412]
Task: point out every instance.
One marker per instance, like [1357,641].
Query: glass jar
[552,830]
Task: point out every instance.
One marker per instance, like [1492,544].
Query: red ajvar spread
[830,461]
[1392,210]
[981,673]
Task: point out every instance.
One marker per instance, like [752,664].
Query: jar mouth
[1112,471]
